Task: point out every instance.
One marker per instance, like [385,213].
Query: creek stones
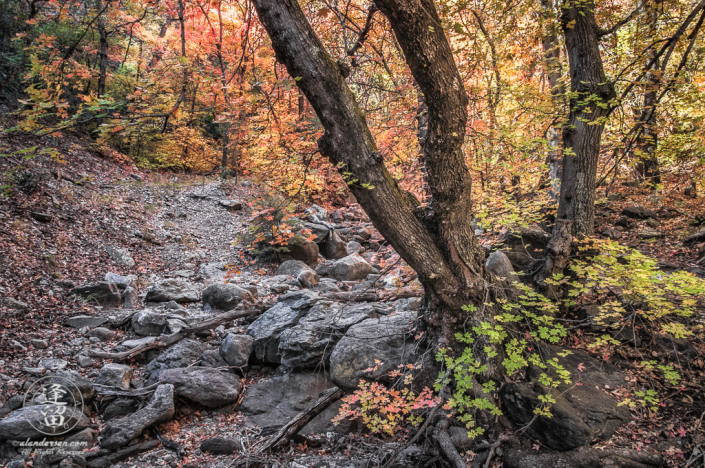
[351,268]
[236,349]
[173,289]
[182,354]
[225,297]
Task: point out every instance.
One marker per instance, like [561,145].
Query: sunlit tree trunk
[554,71]
[590,104]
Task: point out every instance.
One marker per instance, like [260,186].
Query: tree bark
[437,242]
[103,64]
[647,167]
[590,106]
[554,71]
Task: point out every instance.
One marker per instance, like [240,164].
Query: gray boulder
[120,407]
[236,349]
[499,265]
[212,358]
[182,354]
[212,272]
[271,403]
[638,212]
[173,290]
[582,413]
[225,296]
[319,230]
[301,249]
[103,334]
[104,293]
[204,385]
[16,425]
[121,281]
[292,268]
[351,268]
[311,341]
[115,375]
[388,340]
[525,245]
[317,214]
[353,247]
[120,256]
[120,432]
[267,329]
[149,322]
[80,321]
[333,246]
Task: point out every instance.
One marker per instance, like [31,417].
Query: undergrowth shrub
[626,284]
[273,226]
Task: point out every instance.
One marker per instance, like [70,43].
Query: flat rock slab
[270,404]
[204,385]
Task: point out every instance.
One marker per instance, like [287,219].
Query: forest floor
[60,220]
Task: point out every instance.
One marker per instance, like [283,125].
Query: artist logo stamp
[53,405]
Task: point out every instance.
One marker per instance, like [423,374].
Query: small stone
[232,205]
[17,345]
[354,247]
[236,349]
[115,375]
[80,321]
[648,233]
[103,334]
[84,361]
[612,233]
[42,217]
[638,212]
[13,304]
[220,446]
[53,364]
[39,344]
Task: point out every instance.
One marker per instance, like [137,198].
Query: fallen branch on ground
[168,340]
[107,390]
[372,296]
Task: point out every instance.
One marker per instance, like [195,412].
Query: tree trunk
[103,67]
[647,167]
[554,71]
[437,242]
[590,104]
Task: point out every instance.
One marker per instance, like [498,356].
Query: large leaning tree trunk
[590,105]
[436,241]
